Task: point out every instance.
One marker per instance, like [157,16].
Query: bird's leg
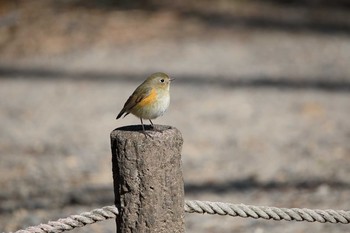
[154,127]
[143,129]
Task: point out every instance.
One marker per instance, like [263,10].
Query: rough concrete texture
[263,109]
[148,181]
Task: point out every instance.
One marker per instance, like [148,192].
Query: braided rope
[220,208]
[249,211]
[74,221]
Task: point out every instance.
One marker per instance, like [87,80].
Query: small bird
[150,100]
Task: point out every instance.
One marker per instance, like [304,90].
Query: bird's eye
[162,80]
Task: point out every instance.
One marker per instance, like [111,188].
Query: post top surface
[135,131]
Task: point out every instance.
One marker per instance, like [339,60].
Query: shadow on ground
[249,183]
[317,83]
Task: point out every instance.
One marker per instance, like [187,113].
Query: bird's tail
[120,114]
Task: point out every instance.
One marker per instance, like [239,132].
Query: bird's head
[159,80]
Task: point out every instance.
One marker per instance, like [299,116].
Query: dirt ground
[262,98]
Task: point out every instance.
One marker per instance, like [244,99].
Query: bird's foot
[147,134]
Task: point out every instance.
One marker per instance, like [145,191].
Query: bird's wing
[143,92]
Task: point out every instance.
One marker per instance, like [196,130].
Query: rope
[202,207]
[74,221]
[274,213]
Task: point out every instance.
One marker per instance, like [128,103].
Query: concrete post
[148,182]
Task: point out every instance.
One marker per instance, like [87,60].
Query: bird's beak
[172,79]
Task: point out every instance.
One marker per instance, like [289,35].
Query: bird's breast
[153,106]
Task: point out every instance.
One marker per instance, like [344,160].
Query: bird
[150,100]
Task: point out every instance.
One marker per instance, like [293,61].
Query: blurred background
[262,98]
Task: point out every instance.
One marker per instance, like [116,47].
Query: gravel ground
[263,112]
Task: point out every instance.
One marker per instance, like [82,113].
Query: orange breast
[149,100]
